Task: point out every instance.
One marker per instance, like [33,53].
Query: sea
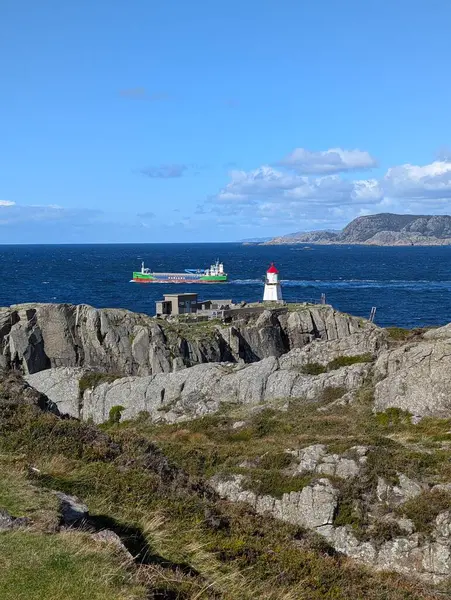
[409,286]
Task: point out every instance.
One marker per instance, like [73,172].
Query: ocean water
[409,286]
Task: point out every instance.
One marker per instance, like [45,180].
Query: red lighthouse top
[272,269]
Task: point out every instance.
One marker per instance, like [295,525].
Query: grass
[34,566]
[424,509]
[189,544]
[20,498]
[399,334]
[274,483]
[341,361]
[93,379]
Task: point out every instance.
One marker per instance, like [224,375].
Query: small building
[214,304]
[177,304]
[184,304]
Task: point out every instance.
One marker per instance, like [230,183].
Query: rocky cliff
[34,337]
[345,425]
[384,229]
[175,370]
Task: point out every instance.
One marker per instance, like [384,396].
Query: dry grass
[188,544]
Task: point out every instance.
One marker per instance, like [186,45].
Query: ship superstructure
[214,274]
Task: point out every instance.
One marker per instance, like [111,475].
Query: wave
[413,285]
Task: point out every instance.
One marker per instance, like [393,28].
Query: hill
[384,229]
[299,453]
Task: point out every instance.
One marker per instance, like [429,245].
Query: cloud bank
[308,190]
[335,160]
[304,191]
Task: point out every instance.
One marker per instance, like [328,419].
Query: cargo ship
[215,274]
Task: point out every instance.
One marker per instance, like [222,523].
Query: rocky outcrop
[35,337]
[194,392]
[316,505]
[8,522]
[416,377]
[312,507]
[252,359]
[72,510]
[316,459]
[62,387]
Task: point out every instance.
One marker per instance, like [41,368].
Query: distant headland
[384,229]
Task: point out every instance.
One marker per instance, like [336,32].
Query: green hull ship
[215,274]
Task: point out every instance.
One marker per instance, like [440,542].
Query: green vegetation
[187,328]
[19,497]
[115,414]
[337,363]
[398,334]
[332,393]
[188,544]
[93,379]
[34,566]
[313,369]
[274,483]
[346,361]
[424,509]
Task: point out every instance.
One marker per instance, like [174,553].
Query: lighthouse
[273,291]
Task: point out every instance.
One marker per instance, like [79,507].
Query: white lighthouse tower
[273,291]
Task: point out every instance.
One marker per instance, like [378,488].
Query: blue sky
[146,121]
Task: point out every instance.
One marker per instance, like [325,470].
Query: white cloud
[285,196]
[7,203]
[431,181]
[266,195]
[335,160]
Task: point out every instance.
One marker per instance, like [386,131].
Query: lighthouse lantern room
[273,291]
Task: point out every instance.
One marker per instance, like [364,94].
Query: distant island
[384,229]
[259,240]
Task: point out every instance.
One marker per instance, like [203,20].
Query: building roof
[272,269]
[184,294]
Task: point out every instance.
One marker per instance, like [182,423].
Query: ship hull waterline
[177,278]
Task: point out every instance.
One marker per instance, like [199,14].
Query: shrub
[384,531]
[115,414]
[346,361]
[312,369]
[275,460]
[424,509]
[341,361]
[348,512]
[393,417]
[274,483]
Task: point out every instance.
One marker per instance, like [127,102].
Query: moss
[424,509]
[93,379]
[274,483]
[346,361]
[341,361]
